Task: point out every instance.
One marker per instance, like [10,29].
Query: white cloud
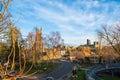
[70,18]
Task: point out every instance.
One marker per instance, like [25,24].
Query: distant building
[90,50]
[88,42]
[62,52]
[94,45]
[42,53]
[94,58]
[91,47]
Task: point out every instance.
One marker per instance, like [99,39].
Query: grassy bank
[45,67]
[80,76]
[109,78]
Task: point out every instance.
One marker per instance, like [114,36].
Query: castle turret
[96,44]
[88,42]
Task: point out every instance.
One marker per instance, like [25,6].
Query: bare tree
[31,49]
[100,36]
[52,41]
[39,48]
[111,36]
[4,21]
[8,31]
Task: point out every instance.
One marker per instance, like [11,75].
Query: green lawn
[109,78]
[80,73]
[80,76]
[42,67]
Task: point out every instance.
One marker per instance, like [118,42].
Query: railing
[91,72]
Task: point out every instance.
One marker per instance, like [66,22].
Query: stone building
[39,46]
[40,52]
[90,50]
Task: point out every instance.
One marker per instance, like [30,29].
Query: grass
[81,73]
[80,76]
[109,78]
[42,67]
[88,65]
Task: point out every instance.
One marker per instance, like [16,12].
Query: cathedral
[39,46]
[41,52]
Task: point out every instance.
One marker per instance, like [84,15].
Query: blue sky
[76,20]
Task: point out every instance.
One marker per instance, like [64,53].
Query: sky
[76,20]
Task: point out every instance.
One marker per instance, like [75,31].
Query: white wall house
[62,52]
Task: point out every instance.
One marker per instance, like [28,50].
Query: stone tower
[88,42]
[39,46]
[96,44]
